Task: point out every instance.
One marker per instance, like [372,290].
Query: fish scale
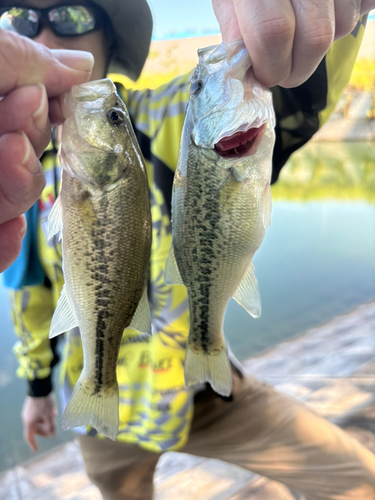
[209,245]
[199,262]
[110,286]
[220,205]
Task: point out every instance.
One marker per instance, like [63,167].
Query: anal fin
[64,318]
[247,294]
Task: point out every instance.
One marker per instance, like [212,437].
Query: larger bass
[221,204]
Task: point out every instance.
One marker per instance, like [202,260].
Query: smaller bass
[221,203]
[103,215]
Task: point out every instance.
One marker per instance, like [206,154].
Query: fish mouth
[240,144]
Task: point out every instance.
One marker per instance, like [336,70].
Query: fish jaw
[225,97]
[240,144]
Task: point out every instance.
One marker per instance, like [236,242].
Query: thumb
[366,6]
[227,19]
[25,62]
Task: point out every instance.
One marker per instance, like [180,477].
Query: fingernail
[24,226]
[27,154]
[40,116]
[75,59]
[32,164]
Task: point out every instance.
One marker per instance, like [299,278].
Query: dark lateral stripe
[309,98]
[163,175]
[99,275]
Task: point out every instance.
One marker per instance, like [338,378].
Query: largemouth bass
[103,214]
[221,203]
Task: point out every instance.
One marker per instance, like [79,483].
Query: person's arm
[32,309]
[302,111]
[32,79]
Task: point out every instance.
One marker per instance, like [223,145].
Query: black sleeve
[297,117]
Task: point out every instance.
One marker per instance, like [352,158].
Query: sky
[180,18]
[183,18]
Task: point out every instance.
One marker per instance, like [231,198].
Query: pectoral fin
[247,293]
[55,220]
[224,188]
[172,275]
[142,318]
[63,318]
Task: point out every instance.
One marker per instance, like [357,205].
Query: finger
[11,235]
[347,14]
[226,17]
[52,428]
[315,30]
[56,114]
[29,63]
[267,28]
[366,6]
[29,435]
[49,423]
[26,109]
[42,429]
[21,176]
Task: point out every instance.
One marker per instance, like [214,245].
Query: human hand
[38,417]
[287,39]
[32,80]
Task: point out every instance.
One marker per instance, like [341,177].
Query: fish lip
[242,150]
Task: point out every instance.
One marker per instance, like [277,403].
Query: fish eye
[115,116]
[196,87]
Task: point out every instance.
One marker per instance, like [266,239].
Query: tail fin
[87,407]
[213,368]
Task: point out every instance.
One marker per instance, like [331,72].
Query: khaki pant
[259,430]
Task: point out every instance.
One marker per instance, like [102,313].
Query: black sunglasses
[64,20]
